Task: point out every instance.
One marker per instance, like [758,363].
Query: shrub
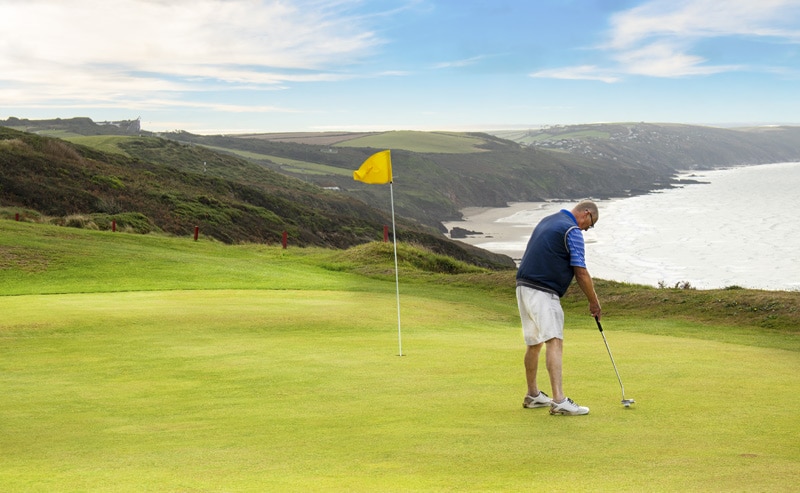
[61,150]
[130,222]
[80,222]
[678,285]
[17,145]
[137,222]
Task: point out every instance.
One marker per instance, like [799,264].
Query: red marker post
[285,239]
[196,232]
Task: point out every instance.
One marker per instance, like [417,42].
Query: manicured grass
[171,365]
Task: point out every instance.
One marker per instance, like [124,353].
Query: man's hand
[595,310]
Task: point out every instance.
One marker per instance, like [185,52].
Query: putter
[625,402]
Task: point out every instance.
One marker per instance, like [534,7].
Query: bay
[738,228]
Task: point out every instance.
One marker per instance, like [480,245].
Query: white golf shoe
[541,400]
[567,408]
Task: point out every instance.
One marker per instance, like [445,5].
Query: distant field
[311,138]
[59,134]
[304,167]
[104,143]
[587,134]
[515,135]
[433,142]
[290,165]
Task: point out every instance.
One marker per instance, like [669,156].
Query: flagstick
[396,274]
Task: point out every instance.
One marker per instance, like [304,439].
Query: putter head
[627,402]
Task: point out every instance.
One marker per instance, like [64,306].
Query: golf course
[155,363]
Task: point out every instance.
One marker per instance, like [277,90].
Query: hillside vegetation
[439,173]
[680,147]
[436,174]
[156,185]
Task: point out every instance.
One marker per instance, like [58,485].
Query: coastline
[503,230]
[666,238]
[496,225]
[506,230]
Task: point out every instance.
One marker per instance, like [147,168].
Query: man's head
[586,214]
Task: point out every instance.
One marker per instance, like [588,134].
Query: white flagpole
[396,275]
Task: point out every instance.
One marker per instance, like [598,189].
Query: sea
[739,227]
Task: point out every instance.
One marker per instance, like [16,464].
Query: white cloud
[656,39]
[583,72]
[694,19]
[152,35]
[663,59]
[460,63]
[90,50]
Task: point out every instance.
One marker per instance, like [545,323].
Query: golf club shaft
[600,327]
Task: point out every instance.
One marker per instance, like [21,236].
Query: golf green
[303,390]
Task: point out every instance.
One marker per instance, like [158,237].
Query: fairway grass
[298,390]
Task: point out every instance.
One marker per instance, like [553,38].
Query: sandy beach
[503,230]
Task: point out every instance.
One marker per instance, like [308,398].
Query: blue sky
[227,66]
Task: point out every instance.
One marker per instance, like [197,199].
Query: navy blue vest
[545,263]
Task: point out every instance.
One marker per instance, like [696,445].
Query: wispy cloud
[460,63]
[86,50]
[582,72]
[659,38]
[666,59]
[696,19]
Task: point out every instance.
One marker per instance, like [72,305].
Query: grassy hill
[684,147]
[149,184]
[438,173]
[154,363]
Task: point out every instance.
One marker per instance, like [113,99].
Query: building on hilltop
[129,126]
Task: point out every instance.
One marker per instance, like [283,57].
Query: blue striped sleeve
[577,252]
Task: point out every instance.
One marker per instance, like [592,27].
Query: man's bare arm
[587,286]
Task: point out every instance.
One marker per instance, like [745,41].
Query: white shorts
[541,314]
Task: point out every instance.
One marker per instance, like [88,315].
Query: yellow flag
[377,169]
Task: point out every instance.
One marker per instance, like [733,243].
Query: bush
[137,222]
[60,150]
[80,222]
[26,215]
[130,222]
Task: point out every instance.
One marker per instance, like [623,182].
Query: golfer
[554,255]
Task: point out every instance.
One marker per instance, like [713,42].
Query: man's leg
[553,354]
[532,367]
[560,404]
